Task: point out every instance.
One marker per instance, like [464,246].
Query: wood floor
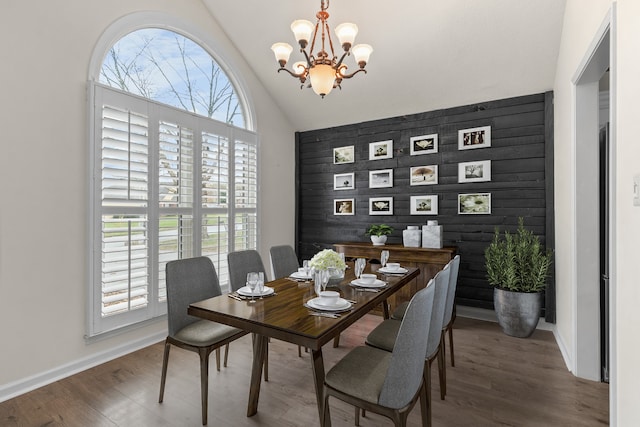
[497,381]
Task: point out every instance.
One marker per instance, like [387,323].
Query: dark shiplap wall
[520,137]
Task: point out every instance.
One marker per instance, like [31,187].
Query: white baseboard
[24,385]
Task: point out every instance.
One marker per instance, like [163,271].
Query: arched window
[174,172]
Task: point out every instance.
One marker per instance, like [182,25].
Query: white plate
[377,284]
[299,275]
[246,291]
[397,270]
[342,304]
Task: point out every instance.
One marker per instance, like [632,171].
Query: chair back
[243,262]
[188,280]
[404,376]
[441,284]
[284,261]
[451,292]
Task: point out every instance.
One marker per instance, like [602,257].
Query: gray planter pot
[518,312]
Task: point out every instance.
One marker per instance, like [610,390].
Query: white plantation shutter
[166,185]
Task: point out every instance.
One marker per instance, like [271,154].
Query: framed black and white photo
[474,171]
[343,207]
[423,175]
[382,178]
[381,150]
[474,204]
[344,181]
[344,155]
[424,205]
[381,206]
[425,144]
[479,137]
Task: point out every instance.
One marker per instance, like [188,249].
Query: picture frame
[477,171]
[424,144]
[344,181]
[423,175]
[344,207]
[474,204]
[424,205]
[382,178]
[381,150]
[479,137]
[344,154]
[381,206]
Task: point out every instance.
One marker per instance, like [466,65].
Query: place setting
[328,304]
[253,289]
[303,274]
[366,282]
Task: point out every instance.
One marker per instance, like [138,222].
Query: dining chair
[190,280]
[240,264]
[386,383]
[284,261]
[384,336]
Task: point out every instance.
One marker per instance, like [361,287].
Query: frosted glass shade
[298,67]
[282,51]
[346,33]
[322,78]
[361,53]
[302,30]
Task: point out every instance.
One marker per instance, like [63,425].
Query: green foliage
[517,262]
[379,230]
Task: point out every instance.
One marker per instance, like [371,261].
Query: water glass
[260,283]
[384,257]
[359,266]
[320,280]
[306,267]
[252,281]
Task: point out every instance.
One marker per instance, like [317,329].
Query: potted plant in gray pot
[379,233]
[517,266]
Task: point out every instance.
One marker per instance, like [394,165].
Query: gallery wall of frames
[471,168]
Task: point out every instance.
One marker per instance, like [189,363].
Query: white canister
[412,236]
[432,235]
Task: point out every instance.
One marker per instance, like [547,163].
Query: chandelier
[323,69]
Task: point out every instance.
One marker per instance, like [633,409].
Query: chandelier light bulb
[361,53]
[302,30]
[346,34]
[282,52]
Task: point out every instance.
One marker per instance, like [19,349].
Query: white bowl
[329,298]
[391,266]
[368,279]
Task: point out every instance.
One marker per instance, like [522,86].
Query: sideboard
[429,261]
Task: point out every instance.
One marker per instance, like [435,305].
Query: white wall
[581,23]
[43,166]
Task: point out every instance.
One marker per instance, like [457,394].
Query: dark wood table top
[284,316]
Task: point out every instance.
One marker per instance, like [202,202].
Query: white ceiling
[427,54]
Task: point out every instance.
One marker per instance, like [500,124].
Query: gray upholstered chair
[384,336]
[188,281]
[387,383]
[284,261]
[240,263]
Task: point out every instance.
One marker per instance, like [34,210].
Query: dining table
[286,315]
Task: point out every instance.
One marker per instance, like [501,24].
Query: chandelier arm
[348,76]
[296,75]
[339,64]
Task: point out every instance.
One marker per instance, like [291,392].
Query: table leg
[385,309]
[259,353]
[317,364]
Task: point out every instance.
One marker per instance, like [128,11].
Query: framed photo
[474,204]
[381,206]
[382,178]
[381,150]
[474,171]
[474,138]
[424,205]
[425,144]
[423,175]
[343,207]
[343,155]
[344,181]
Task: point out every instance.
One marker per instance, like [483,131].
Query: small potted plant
[517,266]
[379,233]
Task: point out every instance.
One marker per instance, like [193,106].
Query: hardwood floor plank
[497,381]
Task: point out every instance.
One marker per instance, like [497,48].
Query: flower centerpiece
[330,261]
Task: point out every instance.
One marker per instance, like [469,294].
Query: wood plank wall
[521,182]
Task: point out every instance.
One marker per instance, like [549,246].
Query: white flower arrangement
[327,259]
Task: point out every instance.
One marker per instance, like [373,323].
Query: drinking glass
[384,257]
[252,281]
[359,266]
[260,283]
[306,268]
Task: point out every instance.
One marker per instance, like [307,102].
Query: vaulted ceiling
[427,54]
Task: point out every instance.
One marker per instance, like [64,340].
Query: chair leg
[266,363]
[226,354]
[423,404]
[427,388]
[453,363]
[218,359]
[442,373]
[299,351]
[165,362]
[357,417]
[204,382]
